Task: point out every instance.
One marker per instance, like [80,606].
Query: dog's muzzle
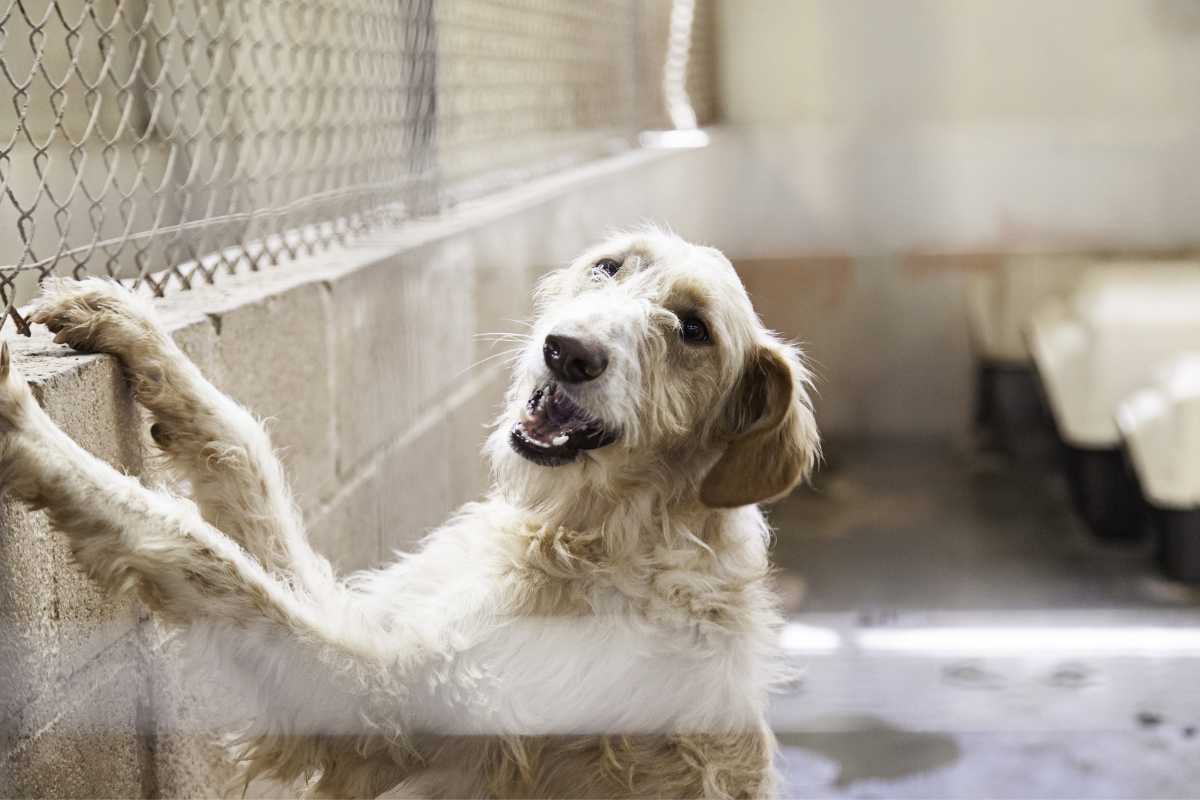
[554,429]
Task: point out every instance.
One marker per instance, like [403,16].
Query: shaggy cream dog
[599,626]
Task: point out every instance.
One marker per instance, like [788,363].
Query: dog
[601,625]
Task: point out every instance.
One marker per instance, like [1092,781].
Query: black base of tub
[1105,493]
[1010,410]
[1178,533]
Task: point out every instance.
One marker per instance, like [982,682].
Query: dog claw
[5,360]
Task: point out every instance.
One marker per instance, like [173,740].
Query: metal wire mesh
[168,141]
[530,84]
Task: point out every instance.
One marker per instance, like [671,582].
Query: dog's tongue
[550,417]
[556,426]
[560,410]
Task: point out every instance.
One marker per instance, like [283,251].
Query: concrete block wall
[367,365]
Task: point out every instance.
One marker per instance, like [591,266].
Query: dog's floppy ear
[774,436]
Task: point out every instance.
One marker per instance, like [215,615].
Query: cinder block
[191,711]
[504,286]
[404,334]
[347,529]
[437,466]
[81,738]
[199,341]
[273,356]
[415,495]
[469,424]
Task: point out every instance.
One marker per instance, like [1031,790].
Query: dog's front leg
[216,444]
[316,664]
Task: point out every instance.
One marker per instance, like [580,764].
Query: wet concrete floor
[957,633]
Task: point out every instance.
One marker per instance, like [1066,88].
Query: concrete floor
[956,633]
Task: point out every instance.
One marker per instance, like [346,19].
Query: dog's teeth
[560,440]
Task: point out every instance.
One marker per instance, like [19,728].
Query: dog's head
[649,367]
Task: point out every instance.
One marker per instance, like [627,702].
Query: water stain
[868,748]
[1148,719]
[972,675]
[878,618]
[1071,675]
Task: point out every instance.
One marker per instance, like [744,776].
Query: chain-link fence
[168,141]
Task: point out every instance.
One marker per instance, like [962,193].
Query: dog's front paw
[94,315]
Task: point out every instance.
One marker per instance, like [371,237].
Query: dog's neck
[637,525]
[663,562]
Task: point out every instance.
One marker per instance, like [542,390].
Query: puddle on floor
[871,749]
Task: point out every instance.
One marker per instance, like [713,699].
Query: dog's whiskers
[512,355]
[522,322]
[499,337]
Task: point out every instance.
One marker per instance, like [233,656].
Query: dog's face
[648,366]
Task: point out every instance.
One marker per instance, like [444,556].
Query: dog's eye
[694,331]
[607,266]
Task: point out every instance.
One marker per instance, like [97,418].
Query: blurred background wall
[894,148]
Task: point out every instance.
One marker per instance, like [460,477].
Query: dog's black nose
[572,361]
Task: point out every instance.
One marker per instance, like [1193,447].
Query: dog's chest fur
[584,606]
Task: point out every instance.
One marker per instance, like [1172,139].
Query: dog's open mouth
[554,429]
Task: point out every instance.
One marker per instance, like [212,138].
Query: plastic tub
[1095,349]
[1161,430]
[999,302]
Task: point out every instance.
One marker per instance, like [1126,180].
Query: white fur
[600,598]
